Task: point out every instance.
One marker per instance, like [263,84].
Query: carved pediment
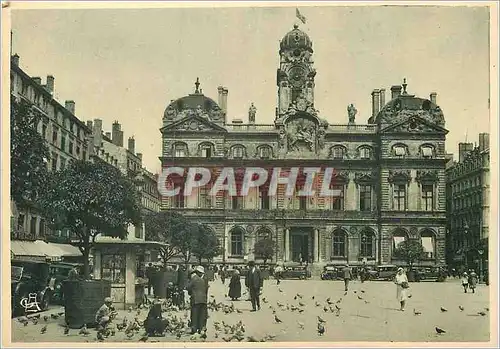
[399,176]
[340,176]
[414,124]
[364,177]
[193,123]
[427,176]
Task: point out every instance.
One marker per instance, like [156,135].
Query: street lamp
[480,252]
[466,245]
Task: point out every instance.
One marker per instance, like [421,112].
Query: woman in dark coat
[235,286]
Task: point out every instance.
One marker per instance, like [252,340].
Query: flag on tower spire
[300,16]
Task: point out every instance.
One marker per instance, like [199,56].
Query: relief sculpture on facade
[300,135]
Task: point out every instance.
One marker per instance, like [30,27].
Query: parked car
[330,272]
[29,284]
[371,273]
[60,271]
[295,271]
[386,272]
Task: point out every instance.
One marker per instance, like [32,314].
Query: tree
[90,199]
[264,248]
[206,245]
[160,226]
[410,251]
[28,154]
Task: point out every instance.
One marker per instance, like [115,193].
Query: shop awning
[37,248]
[66,250]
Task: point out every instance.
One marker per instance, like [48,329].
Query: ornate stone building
[390,172]
[468,191]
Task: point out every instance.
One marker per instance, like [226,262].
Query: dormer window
[264,152]
[338,152]
[206,150]
[427,151]
[238,152]
[180,150]
[365,153]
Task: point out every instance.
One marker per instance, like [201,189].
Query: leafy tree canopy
[410,251]
[206,244]
[265,248]
[29,153]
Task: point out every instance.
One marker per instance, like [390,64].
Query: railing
[249,127]
[352,129]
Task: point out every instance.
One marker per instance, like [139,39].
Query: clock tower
[295,76]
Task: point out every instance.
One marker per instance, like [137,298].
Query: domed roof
[296,39]
[406,105]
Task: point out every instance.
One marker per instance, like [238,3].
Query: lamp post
[466,245]
[480,252]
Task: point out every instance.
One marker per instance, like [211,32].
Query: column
[226,243]
[97,264]
[287,245]
[130,267]
[316,246]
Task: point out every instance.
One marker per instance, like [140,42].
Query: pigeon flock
[228,324]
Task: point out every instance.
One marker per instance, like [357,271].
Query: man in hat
[198,289]
[347,276]
[254,282]
[105,313]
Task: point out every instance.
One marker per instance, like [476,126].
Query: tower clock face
[297,76]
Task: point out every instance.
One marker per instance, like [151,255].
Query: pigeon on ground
[320,320]
[66,330]
[46,318]
[144,338]
[440,330]
[84,331]
[321,328]
[482,313]
[444,309]
[301,325]
[415,312]
[461,308]
[44,329]
[277,319]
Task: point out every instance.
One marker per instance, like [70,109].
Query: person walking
[277,273]
[150,276]
[235,286]
[223,274]
[473,281]
[401,281]
[198,290]
[254,282]
[347,272]
[465,281]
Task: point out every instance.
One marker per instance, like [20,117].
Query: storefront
[123,263]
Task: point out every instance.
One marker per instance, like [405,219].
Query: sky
[128,64]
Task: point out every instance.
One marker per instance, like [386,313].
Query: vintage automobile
[429,273]
[386,272]
[60,271]
[295,271]
[331,272]
[30,289]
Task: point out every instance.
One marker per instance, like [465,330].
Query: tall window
[180,150]
[178,200]
[400,197]
[41,228]
[264,152]
[70,148]
[339,244]
[264,199]
[44,131]
[54,162]
[237,242]
[338,200]
[20,222]
[427,151]
[238,152]
[338,152]
[367,245]
[427,197]
[237,202]
[63,163]
[428,244]
[365,153]
[365,197]
[54,135]
[399,150]
[206,151]
[63,143]
[33,226]
[397,238]
[204,198]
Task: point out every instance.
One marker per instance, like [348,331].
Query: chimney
[131,145]
[382,98]
[50,84]
[117,134]
[97,132]
[70,105]
[375,102]
[433,97]
[396,91]
[484,141]
[139,155]
[15,60]
[222,98]
[108,135]
[89,124]
[37,79]
[463,150]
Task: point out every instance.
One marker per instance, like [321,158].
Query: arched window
[180,150]
[427,151]
[365,152]
[339,243]
[367,245]
[264,233]
[399,236]
[206,150]
[399,150]
[236,237]
[338,152]
[265,152]
[427,238]
[238,152]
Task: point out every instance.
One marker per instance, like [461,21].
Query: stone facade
[390,171]
[468,191]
